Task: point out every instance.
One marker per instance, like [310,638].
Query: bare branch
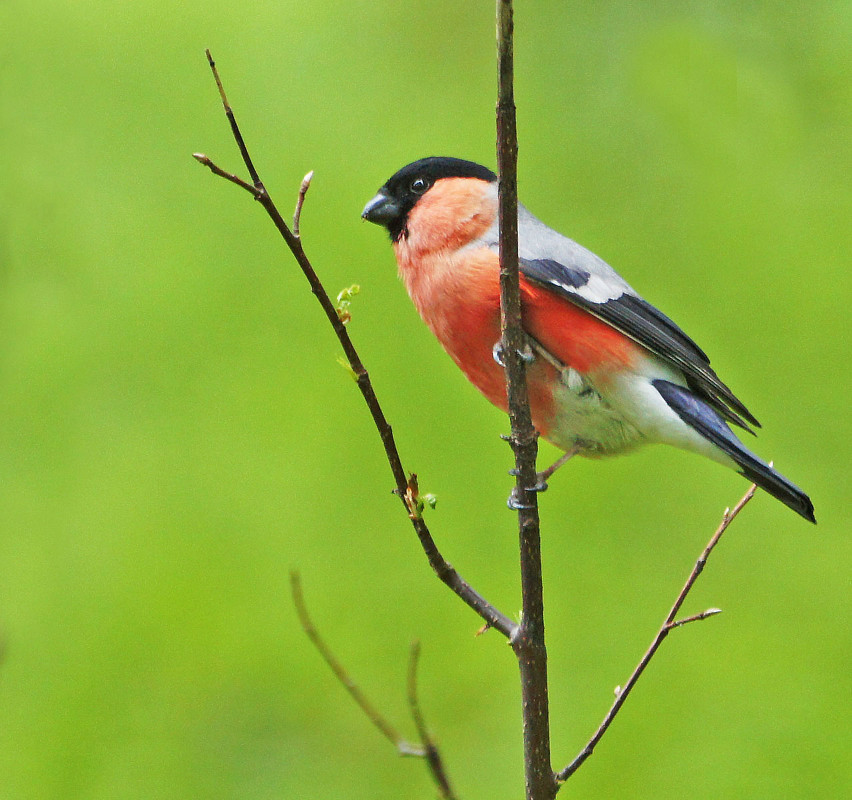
[489,613]
[386,729]
[436,765]
[528,642]
[668,625]
[727,518]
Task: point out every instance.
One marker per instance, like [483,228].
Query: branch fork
[669,624]
[427,749]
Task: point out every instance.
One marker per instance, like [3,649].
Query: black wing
[647,326]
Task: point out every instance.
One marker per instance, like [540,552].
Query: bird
[607,372]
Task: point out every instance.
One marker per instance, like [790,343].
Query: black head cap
[390,207]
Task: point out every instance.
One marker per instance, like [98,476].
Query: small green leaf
[344,302]
[347,366]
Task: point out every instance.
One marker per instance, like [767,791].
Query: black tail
[699,416]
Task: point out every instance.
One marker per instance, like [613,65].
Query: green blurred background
[175,433]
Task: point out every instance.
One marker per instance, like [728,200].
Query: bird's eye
[419,185]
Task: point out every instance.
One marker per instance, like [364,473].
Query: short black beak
[381,210]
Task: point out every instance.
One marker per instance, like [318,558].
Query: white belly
[629,412]
[588,421]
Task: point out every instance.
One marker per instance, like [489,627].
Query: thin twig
[529,642]
[387,730]
[235,129]
[297,214]
[710,612]
[433,756]
[488,612]
[669,624]
[228,176]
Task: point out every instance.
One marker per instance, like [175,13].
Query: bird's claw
[540,483]
[514,503]
[527,355]
[540,480]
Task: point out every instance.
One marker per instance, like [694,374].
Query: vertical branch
[528,641]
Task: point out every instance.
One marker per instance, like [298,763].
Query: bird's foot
[514,502]
[540,484]
[526,353]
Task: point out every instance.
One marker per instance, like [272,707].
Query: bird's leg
[528,354]
[541,477]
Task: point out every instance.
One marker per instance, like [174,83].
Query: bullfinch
[607,371]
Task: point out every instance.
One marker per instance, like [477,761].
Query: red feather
[458,297]
[574,336]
